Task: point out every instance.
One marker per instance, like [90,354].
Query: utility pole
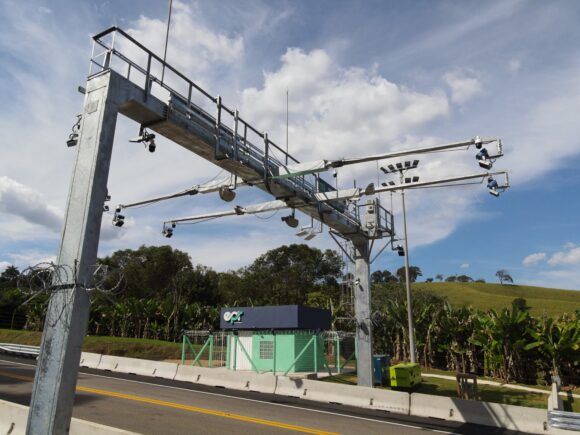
[412,348]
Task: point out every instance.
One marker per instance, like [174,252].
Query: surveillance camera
[478,142]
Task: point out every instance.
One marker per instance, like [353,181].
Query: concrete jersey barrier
[221,377]
[362,397]
[519,418]
[13,418]
[137,366]
[90,360]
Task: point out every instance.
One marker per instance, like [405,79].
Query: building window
[266,349]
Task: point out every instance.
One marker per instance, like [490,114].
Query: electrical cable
[266,218]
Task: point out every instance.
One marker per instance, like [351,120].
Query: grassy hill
[485,296]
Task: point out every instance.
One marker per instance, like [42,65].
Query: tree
[481,280]
[286,275]
[382,277]
[414,273]
[504,276]
[439,277]
[9,277]
[520,304]
[464,278]
[451,278]
[429,280]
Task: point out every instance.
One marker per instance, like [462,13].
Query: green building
[275,339]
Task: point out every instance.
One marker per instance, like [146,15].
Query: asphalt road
[157,406]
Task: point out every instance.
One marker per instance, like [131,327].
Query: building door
[242,361]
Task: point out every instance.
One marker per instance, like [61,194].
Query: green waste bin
[405,375]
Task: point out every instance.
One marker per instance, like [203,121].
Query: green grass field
[485,296]
[118,346]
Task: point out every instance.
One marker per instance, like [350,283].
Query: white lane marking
[253,400]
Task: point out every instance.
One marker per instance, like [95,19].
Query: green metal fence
[271,351]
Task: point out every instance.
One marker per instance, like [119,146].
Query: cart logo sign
[233,316]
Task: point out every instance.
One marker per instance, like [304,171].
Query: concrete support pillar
[68,310]
[362,312]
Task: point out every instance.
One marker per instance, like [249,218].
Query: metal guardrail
[20,349]
[564,420]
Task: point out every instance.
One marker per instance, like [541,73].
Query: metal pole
[166,40]
[67,315]
[337,354]
[408,283]
[211,351]
[362,313]
[183,350]
[286,126]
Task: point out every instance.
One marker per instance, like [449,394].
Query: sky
[362,78]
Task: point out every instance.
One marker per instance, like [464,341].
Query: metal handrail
[299,184]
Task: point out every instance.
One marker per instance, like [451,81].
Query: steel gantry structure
[127,78]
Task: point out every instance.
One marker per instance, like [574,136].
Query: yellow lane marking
[13,376]
[190,408]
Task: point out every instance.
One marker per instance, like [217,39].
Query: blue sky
[363,78]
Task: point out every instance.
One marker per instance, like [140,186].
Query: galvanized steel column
[68,310]
[362,313]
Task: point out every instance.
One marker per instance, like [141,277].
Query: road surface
[157,406]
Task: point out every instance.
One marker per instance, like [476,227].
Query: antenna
[286,126]
[166,39]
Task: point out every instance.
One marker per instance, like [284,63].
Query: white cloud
[561,279]
[464,85]
[514,66]
[4,265]
[20,200]
[569,256]
[336,111]
[26,258]
[193,48]
[464,266]
[533,259]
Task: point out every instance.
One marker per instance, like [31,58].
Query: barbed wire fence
[40,281]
